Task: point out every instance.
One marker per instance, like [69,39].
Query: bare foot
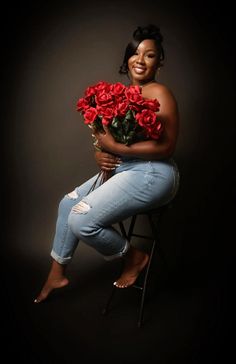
[135,262]
[49,286]
[56,279]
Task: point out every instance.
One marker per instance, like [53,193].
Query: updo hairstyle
[141,33]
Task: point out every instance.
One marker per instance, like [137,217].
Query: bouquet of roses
[129,117]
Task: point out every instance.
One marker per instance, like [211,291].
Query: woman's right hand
[107,161]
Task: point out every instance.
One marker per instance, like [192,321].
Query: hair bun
[150,31]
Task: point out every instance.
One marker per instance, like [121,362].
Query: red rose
[151,104]
[90,91]
[133,94]
[146,118]
[90,115]
[104,99]
[121,108]
[102,87]
[118,89]
[156,132]
[82,105]
[107,114]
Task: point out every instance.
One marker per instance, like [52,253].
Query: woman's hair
[141,33]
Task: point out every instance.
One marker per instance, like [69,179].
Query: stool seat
[154,217]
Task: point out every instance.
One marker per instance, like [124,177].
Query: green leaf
[129,115]
[115,123]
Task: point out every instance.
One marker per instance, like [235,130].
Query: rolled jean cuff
[118,255]
[59,259]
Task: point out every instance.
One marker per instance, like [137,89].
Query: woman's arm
[151,149]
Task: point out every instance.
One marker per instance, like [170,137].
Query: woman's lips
[139,69]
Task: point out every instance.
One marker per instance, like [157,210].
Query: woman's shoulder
[159,90]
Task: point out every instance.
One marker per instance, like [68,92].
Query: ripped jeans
[135,186]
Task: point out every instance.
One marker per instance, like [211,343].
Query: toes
[42,296]
[121,284]
[39,299]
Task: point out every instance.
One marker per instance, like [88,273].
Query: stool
[154,218]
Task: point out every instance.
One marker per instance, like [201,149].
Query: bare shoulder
[159,91]
[164,96]
[162,91]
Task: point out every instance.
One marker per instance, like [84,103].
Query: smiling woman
[144,63]
[151,37]
[143,174]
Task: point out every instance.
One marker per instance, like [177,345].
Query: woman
[143,176]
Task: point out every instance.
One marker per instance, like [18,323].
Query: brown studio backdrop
[53,54]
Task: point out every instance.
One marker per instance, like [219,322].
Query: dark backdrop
[50,53]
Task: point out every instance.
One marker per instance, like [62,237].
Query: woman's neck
[144,83]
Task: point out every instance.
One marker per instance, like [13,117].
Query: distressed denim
[135,186]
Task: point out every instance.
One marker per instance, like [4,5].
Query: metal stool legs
[154,220]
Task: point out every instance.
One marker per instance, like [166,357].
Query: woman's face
[144,63]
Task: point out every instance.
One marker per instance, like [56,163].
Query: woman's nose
[140,59]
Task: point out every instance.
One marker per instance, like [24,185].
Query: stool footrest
[138,287]
[142,236]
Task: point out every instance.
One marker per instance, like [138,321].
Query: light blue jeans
[135,186]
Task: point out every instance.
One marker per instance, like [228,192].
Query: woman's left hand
[106,140]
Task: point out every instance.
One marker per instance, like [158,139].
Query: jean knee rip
[118,255]
[72,195]
[81,208]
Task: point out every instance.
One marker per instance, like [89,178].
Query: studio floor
[185,316]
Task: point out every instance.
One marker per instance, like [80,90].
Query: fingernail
[117,165]
[114,283]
